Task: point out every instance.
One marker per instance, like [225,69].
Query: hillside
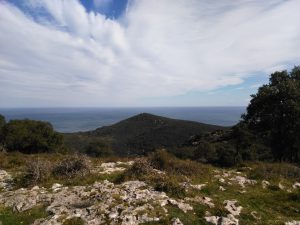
[145,132]
[160,189]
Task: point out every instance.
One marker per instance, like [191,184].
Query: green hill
[145,132]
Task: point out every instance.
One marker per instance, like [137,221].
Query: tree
[29,136]
[274,114]
[2,121]
[98,149]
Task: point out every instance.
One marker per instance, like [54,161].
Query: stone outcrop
[5,180]
[132,202]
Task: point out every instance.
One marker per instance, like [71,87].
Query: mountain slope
[145,132]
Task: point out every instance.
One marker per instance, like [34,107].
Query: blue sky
[97,53]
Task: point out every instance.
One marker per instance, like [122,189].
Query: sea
[69,120]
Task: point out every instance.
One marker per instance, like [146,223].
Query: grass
[8,217]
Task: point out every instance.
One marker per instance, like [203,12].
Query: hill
[146,132]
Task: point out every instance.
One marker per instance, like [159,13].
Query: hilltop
[145,132]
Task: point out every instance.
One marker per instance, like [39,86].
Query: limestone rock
[176,221]
[293,223]
[296,185]
[230,205]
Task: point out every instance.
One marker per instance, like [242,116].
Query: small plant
[72,166]
[35,172]
[275,171]
[74,221]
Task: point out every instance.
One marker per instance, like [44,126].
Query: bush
[98,149]
[162,160]
[205,152]
[227,155]
[72,166]
[2,121]
[28,136]
[141,169]
[170,185]
[74,221]
[274,171]
[36,172]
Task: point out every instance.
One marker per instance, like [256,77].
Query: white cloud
[164,48]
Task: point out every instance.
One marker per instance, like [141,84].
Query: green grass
[8,217]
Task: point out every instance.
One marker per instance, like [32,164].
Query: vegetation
[274,114]
[137,135]
[9,217]
[29,136]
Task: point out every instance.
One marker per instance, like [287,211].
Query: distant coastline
[85,119]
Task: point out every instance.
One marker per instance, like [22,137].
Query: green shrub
[29,136]
[274,171]
[162,160]
[98,149]
[168,184]
[74,221]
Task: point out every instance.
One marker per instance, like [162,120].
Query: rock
[221,188]
[176,221]
[293,223]
[129,203]
[181,205]
[296,185]
[242,181]
[230,205]
[203,200]
[281,186]
[112,167]
[222,180]
[35,188]
[265,184]
[188,185]
[229,220]
[5,180]
[56,187]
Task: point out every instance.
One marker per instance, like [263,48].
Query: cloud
[71,57]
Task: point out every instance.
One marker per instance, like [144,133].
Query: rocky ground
[135,202]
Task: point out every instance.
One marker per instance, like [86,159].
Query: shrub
[74,221]
[98,149]
[28,136]
[35,172]
[275,171]
[141,169]
[72,166]
[163,160]
[168,184]
[205,152]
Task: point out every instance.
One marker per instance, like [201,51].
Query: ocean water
[84,119]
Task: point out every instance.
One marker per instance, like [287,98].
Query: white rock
[230,205]
[296,185]
[176,221]
[221,188]
[265,184]
[293,223]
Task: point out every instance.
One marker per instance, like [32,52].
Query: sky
[113,53]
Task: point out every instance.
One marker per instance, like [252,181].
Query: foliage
[274,114]
[10,217]
[35,171]
[98,149]
[274,171]
[74,221]
[72,166]
[162,160]
[29,136]
[2,121]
